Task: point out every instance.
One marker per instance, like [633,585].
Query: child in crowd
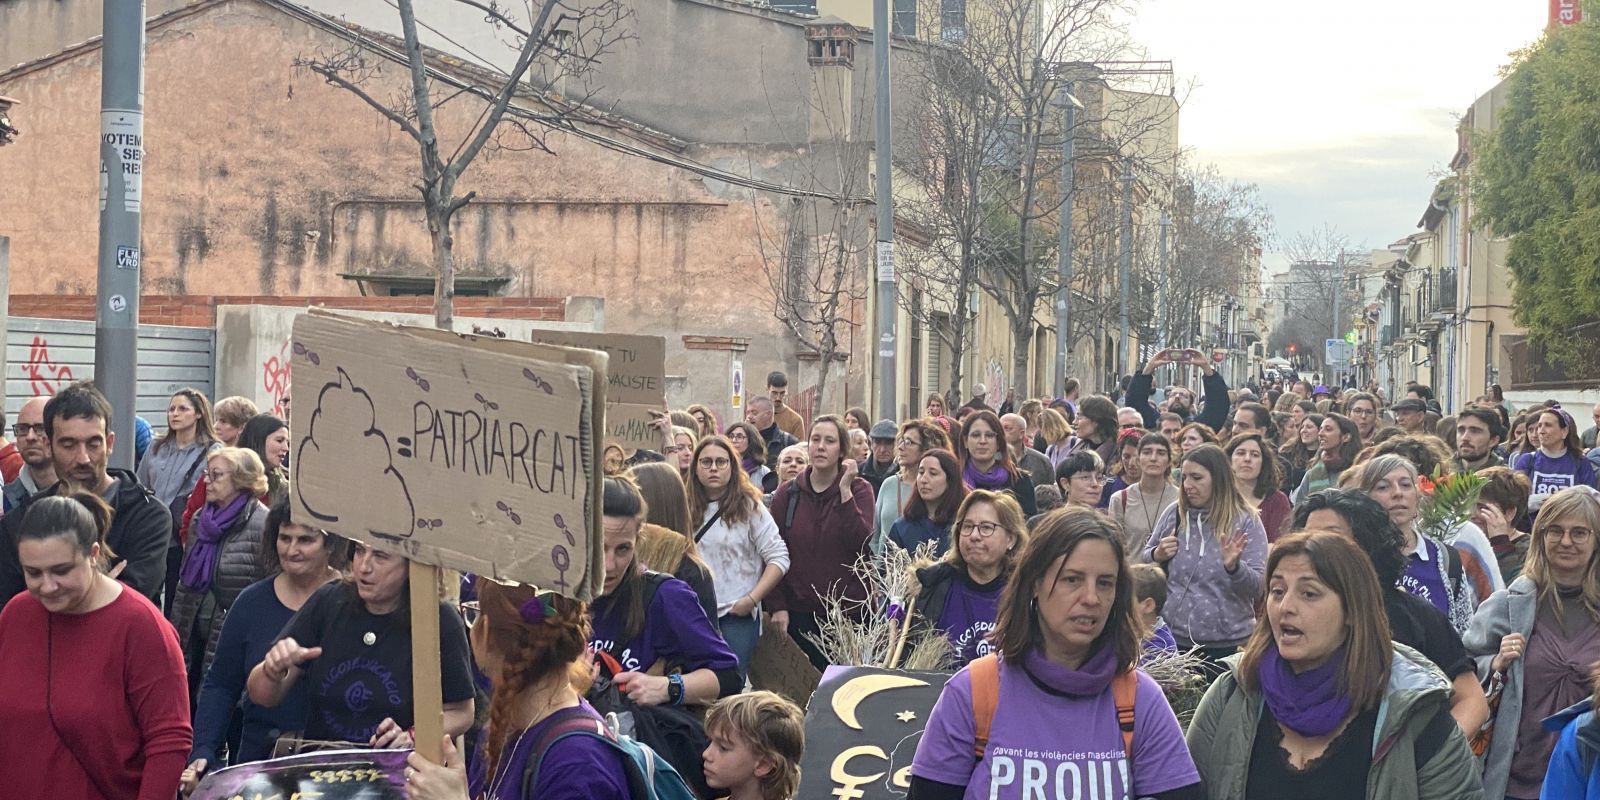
[757,739]
[1150,593]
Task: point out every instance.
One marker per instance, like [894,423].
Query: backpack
[985,674]
[650,777]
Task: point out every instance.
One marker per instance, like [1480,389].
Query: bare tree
[955,111]
[814,251]
[999,156]
[1321,293]
[564,38]
[1219,228]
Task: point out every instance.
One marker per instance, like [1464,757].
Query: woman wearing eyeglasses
[917,437]
[752,449]
[988,461]
[305,560]
[1537,640]
[960,593]
[936,494]
[738,540]
[224,555]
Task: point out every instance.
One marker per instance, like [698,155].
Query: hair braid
[531,653]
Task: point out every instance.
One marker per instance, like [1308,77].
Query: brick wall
[201,310]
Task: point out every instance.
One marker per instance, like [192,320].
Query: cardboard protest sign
[636,382]
[326,775]
[862,729]
[779,665]
[476,454]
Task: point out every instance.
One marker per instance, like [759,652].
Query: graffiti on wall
[45,377]
[275,379]
[995,380]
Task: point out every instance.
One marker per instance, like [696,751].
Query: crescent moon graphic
[855,690]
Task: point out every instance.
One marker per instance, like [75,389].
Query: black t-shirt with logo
[364,672]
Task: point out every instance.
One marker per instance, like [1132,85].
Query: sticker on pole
[117,304]
[886,262]
[122,157]
[127,257]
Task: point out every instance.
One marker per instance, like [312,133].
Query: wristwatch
[675,689]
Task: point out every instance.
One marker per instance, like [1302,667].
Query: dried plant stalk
[868,633]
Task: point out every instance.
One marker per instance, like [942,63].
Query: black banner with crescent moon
[862,729]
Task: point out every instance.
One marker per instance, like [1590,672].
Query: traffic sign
[1339,353]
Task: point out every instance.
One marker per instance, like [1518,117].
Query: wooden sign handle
[427,698]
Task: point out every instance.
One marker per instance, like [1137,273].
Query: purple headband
[1566,419]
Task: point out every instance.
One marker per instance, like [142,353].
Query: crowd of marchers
[1379,600]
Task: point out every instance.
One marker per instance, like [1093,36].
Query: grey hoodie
[1206,604]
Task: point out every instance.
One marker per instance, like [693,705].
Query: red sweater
[825,537]
[118,697]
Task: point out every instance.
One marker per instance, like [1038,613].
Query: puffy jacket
[825,536]
[1573,774]
[139,534]
[1418,752]
[238,566]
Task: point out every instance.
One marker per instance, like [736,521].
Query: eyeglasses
[1092,477]
[23,430]
[909,442]
[470,611]
[714,463]
[215,475]
[1578,536]
[979,530]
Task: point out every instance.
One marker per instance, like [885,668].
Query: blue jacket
[1572,774]
[910,533]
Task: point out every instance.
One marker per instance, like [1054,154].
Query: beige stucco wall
[1484,288]
[263,179]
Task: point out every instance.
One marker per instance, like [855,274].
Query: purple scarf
[1089,679]
[1310,702]
[750,465]
[200,566]
[996,479]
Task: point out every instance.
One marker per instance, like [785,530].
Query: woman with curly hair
[531,645]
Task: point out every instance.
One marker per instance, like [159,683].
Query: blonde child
[757,739]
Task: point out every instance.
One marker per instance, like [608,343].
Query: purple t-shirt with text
[1425,579]
[1048,747]
[969,614]
[1550,475]
[675,628]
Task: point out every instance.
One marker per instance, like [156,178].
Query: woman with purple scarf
[224,555]
[1321,703]
[987,461]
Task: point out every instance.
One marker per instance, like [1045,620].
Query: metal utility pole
[1127,261]
[1161,284]
[1338,295]
[116,316]
[882,34]
[1069,184]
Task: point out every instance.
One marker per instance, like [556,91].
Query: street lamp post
[1069,106]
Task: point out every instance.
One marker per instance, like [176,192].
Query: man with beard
[76,422]
[1180,401]
[38,471]
[1478,433]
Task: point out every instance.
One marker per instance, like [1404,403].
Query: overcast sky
[1343,112]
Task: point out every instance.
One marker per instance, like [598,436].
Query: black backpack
[674,733]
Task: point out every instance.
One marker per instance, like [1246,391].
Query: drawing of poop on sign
[344,431]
